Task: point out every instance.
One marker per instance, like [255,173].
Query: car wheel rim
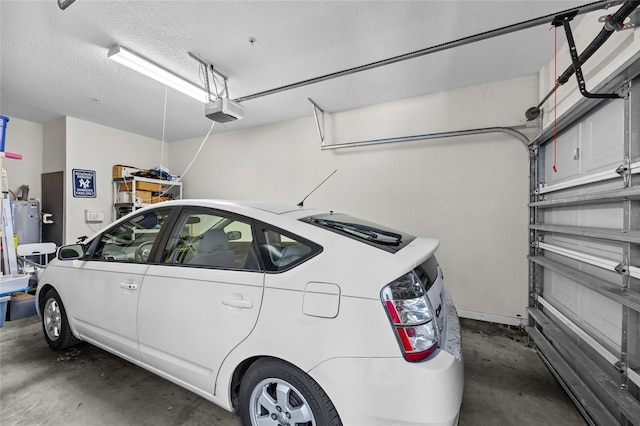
[52,319]
[276,402]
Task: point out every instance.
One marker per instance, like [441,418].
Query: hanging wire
[164,126]
[195,156]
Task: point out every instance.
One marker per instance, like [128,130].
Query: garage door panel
[566,166]
[602,216]
[592,145]
[563,292]
[608,215]
[586,245]
[603,318]
[598,315]
[561,216]
[603,138]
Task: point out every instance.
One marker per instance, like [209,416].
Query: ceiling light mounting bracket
[216,76]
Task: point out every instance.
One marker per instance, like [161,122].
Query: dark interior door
[53,203]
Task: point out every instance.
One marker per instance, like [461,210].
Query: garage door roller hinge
[623,269]
[624,170]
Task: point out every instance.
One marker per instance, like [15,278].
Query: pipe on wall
[507,130]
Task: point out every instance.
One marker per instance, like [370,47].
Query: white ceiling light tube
[144,66]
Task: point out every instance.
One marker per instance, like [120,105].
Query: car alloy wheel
[54,322]
[52,319]
[276,393]
[281,402]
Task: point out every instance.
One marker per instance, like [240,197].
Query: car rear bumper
[392,391]
[384,391]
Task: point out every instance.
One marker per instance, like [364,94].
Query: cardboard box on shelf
[156,199]
[120,171]
[143,197]
[141,186]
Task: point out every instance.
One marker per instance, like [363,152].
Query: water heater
[26,221]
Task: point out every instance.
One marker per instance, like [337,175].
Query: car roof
[290,210]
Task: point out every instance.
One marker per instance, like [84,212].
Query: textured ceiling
[54,62]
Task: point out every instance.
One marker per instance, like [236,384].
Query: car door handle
[129,286]
[238,303]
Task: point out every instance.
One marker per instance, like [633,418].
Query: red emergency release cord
[555,100]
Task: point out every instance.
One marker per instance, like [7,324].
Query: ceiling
[54,62]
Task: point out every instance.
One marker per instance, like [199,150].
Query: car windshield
[358,229]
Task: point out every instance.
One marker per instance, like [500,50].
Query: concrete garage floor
[505,384]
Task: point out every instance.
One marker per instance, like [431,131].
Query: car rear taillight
[411,316]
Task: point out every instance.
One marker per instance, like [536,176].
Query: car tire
[54,322]
[275,392]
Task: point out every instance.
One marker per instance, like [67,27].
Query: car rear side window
[211,239]
[281,251]
[382,237]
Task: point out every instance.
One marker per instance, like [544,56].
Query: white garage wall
[469,192]
[24,137]
[93,147]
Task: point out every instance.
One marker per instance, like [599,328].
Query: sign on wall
[84,183]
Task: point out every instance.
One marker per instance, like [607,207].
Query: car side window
[281,251]
[211,239]
[131,241]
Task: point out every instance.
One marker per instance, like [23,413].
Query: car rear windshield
[379,236]
[427,272]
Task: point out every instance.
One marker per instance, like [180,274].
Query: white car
[282,314]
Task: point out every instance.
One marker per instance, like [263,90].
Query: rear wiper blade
[370,232]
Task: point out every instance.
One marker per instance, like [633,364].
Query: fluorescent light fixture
[144,66]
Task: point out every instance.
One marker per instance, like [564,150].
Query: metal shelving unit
[135,185]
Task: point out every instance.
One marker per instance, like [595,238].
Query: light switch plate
[94,215]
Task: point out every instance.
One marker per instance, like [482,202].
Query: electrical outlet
[93,215]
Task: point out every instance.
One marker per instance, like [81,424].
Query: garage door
[584,313]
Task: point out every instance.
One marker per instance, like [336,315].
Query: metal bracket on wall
[623,268]
[316,108]
[575,59]
[439,135]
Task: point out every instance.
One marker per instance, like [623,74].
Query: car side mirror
[71,252]
[234,235]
